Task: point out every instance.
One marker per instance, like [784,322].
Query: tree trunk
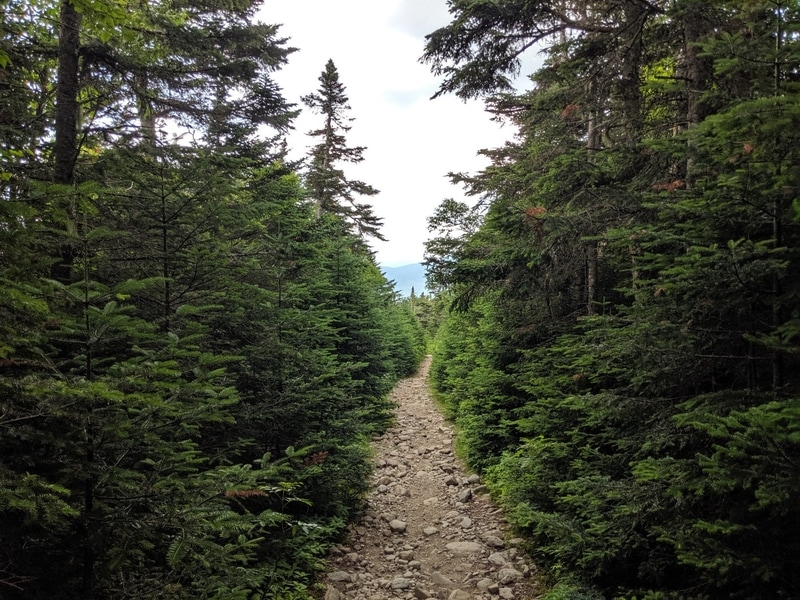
[66,128]
[593,145]
[147,117]
[591,276]
[777,226]
[629,88]
[65,150]
[698,71]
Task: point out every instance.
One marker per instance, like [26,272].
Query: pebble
[439,579]
[333,594]
[340,576]
[398,526]
[508,575]
[464,547]
[400,583]
[493,540]
[464,495]
[449,542]
[483,585]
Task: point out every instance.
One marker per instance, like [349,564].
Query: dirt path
[430,530]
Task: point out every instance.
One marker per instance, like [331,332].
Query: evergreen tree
[636,264]
[128,466]
[330,189]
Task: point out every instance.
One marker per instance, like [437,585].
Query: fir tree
[329,187]
[618,357]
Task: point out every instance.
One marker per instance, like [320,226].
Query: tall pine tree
[329,187]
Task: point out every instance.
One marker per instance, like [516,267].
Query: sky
[411,141]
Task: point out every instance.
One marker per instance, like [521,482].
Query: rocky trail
[430,530]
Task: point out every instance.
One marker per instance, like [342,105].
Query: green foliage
[35,501]
[570,590]
[621,351]
[329,187]
[191,364]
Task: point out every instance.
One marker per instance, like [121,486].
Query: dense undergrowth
[214,457]
[196,345]
[621,353]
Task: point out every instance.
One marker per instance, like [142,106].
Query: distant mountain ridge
[407,277]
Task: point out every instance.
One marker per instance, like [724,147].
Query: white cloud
[419,17]
[412,142]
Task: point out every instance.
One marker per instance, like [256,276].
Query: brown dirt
[430,530]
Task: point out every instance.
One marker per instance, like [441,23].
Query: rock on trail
[430,530]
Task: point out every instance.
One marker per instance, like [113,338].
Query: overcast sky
[412,142]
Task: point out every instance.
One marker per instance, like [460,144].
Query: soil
[430,529]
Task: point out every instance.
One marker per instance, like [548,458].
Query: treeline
[193,356]
[621,356]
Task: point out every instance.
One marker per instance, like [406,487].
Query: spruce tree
[638,417]
[329,187]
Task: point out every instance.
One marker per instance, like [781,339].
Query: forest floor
[430,529]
